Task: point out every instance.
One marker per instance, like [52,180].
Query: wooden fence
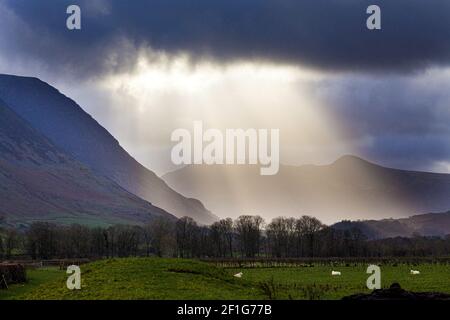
[61,263]
[310,262]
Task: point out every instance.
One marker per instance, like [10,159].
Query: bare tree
[99,245]
[280,236]
[248,229]
[11,242]
[147,237]
[126,240]
[307,228]
[217,239]
[162,239]
[110,236]
[227,230]
[75,241]
[186,233]
[42,240]
[221,234]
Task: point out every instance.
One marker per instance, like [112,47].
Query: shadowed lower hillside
[39,181]
[71,129]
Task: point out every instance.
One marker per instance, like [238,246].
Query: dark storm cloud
[326,34]
[402,121]
[413,152]
[402,118]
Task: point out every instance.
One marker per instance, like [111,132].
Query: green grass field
[36,278]
[317,283]
[176,279]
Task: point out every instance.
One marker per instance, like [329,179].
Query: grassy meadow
[178,279]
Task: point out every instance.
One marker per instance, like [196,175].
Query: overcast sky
[310,68]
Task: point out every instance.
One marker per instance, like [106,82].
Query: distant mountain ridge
[430,224]
[62,121]
[350,188]
[40,182]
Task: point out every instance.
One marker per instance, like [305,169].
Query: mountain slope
[430,224]
[40,182]
[62,121]
[350,188]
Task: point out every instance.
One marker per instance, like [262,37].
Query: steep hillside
[70,128]
[350,188]
[40,182]
[430,224]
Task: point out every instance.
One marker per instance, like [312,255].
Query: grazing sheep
[415,272]
[335,273]
[238,275]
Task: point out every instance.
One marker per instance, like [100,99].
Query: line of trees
[247,236]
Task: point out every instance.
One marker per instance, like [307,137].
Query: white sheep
[415,272]
[335,273]
[238,275]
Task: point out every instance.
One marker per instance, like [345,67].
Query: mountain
[430,224]
[350,188]
[40,182]
[71,129]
